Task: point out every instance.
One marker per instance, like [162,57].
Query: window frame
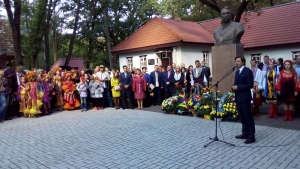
[130,67]
[205,57]
[145,62]
[257,57]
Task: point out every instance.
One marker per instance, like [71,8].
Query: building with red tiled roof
[6,44]
[275,32]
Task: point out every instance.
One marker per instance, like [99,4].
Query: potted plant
[193,104]
[229,106]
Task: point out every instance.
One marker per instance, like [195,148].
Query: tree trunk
[72,39]
[14,20]
[108,40]
[46,35]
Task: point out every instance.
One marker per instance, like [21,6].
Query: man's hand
[126,86]
[296,93]
[278,92]
[167,83]
[234,87]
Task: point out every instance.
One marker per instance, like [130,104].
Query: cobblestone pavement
[139,139]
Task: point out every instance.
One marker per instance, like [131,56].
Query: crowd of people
[36,92]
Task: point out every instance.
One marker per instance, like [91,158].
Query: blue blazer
[244,83]
[166,79]
[153,79]
[125,81]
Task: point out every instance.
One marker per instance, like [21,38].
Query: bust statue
[229,32]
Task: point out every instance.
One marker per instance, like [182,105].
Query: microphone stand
[216,109]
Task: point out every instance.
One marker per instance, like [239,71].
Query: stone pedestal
[222,60]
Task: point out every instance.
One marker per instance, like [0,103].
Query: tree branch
[240,10]
[213,6]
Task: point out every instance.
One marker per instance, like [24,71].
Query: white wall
[189,54]
[278,52]
[136,59]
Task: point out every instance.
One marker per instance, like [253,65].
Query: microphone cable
[254,146]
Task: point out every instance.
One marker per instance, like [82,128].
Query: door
[166,59]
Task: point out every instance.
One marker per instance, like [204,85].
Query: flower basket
[207,117]
[219,114]
[229,106]
[193,104]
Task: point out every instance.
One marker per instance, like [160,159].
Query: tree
[72,39]
[14,20]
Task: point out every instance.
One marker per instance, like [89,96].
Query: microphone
[233,67]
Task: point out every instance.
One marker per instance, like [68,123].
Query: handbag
[117,88]
[151,86]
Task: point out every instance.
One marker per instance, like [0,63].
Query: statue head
[226,15]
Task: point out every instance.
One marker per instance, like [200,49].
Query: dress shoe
[241,136]
[123,108]
[1,121]
[249,141]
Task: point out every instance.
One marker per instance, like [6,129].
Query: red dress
[138,86]
[286,84]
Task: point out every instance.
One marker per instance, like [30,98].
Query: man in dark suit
[243,82]
[156,81]
[206,71]
[167,82]
[126,81]
[263,65]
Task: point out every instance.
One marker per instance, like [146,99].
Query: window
[206,57]
[256,57]
[295,54]
[129,63]
[143,61]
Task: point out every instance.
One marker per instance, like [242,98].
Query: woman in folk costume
[178,80]
[34,103]
[57,84]
[47,94]
[287,88]
[199,78]
[68,86]
[257,88]
[139,87]
[270,92]
[23,96]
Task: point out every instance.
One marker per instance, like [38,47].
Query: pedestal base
[222,60]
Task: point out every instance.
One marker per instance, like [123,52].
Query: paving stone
[139,139]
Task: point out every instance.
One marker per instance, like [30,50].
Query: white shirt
[258,78]
[177,76]
[18,77]
[102,76]
[241,69]
[156,80]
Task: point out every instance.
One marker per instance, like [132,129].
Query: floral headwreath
[30,75]
[67,74]
[45,76]
[272,61]
[288,61]
[57,69]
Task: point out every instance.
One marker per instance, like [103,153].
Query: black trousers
[169,91]
[98,102]
[246,118]
[157,95]
[128,93]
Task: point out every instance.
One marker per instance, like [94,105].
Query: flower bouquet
[206,101]
[193,104]
[219,114]
[169,105]
[229,106]
[230,109]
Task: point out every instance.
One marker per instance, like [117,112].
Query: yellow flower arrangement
[219,113]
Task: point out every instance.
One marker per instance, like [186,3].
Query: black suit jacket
[125,80]
[206,71]
[166,79]
[153,79]
[244,82]
[260,65]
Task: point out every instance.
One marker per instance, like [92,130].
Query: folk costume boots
[290,115]
[273,111]
[286,115]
